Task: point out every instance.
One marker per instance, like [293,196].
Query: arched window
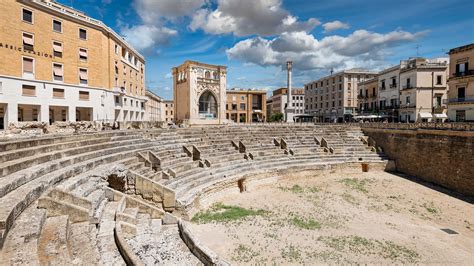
[207,106]
[215,75]
[207,75]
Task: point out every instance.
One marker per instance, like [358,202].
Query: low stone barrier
[413,126]
[442,157]
[202,252]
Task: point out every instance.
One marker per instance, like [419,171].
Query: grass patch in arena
[225,213]
[244,253]
[363,246]
[308,224]
[291,253]
[356,184]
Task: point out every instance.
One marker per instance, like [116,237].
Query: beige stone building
[334,98]
[200,93]
[154,107]
[423,90]
[461,84]
[368,96]
[58,64]
[389,93]
[168,110]
[246,106]
[279,100]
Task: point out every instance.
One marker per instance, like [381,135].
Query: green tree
[276,117]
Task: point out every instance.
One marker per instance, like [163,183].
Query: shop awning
[425,115]
[443,115]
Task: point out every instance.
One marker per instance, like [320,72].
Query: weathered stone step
[82,241]
[41,149]
[53,245]
[21,245]
[108,251]
[21,164]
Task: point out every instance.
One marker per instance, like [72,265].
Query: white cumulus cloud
[335,25]
[145,37]
[249,17]
[360,49]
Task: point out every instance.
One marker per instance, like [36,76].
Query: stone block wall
[443,157]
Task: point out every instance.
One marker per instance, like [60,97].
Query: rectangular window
[439,80]
[82,54]
[83,95]
[27,15]
[57,49]
[408,100]
[82,34]
[83,76]
[116,49]
[242,106]
[28,90]
[57,26]
[28,66]
[461,93]
[58,93]
[28,41]
[58,72]
[460,115]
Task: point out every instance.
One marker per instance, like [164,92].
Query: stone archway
[208,105]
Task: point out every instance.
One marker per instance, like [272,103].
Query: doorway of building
[2,117]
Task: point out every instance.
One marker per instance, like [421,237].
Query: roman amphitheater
[263,194]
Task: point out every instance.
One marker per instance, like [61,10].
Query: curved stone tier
[95,198]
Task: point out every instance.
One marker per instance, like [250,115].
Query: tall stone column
[290,111]
[289,67]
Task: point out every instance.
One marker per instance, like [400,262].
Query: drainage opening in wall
[116,182]
[365,167]
[241,185]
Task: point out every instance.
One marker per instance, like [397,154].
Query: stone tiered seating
[86,220]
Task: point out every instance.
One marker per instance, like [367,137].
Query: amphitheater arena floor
[373,217]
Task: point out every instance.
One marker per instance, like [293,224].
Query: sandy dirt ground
[374,218]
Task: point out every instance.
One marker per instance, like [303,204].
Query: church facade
[200,93]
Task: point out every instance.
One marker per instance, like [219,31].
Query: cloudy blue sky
[254,38]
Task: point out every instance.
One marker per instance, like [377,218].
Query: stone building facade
[200,93]
[389,93]
[368,101]
[423,90]
[61,65]
[279,100]
[334,98]
[246,106]
[168,111]
[154,107]
[461,84]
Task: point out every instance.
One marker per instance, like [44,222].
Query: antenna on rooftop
[418,50]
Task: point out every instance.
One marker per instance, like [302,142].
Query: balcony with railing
[469,99]
[407,87]
[407,105]
[390,107]
[393,85]
[463,74]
